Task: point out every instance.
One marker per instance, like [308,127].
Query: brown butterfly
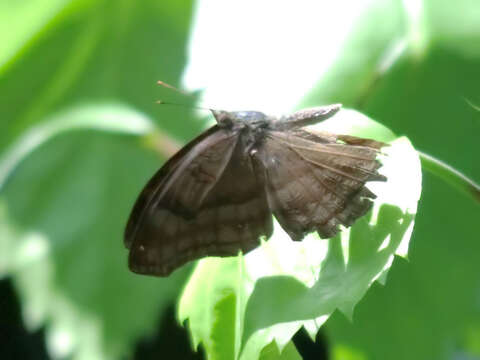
[216,196]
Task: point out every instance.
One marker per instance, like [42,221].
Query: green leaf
[271,352]
[88,66]
[102,117]
[454,26]
[210,304]
[21,21]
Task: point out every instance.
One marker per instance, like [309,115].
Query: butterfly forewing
[210,204]
[157,189]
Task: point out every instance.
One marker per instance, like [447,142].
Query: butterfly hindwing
[315,183]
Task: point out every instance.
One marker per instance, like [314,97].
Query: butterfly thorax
[242,119]
[250,125]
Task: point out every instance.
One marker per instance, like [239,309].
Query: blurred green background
[91,66]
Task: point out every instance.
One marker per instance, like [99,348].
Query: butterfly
[217,195]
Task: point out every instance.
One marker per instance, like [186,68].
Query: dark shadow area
[16,342]
[308,349]
[171,341]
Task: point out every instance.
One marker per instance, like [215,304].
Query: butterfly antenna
[168,86]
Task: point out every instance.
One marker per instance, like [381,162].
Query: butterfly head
[240,118]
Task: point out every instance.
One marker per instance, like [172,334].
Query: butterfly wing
[160,185]
[315,183]
[205,201]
